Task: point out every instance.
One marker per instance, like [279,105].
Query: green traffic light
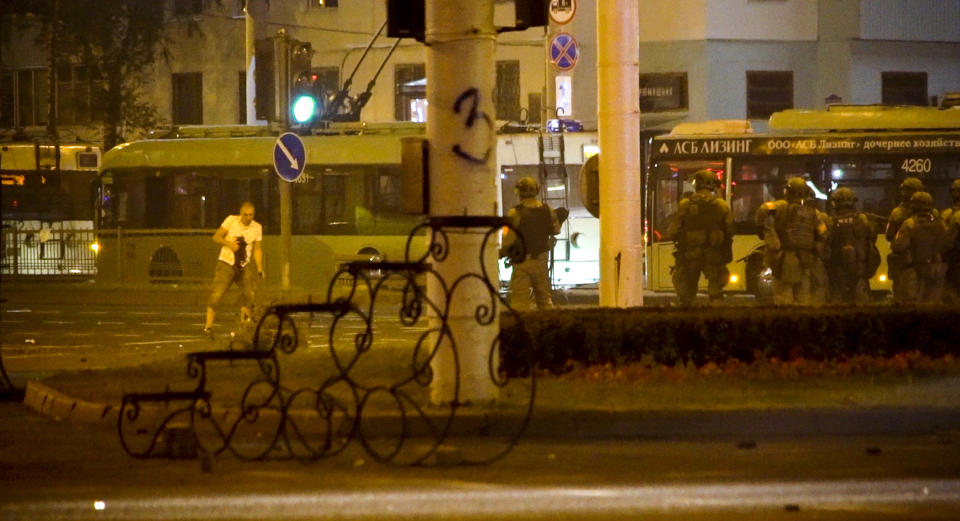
[304,107]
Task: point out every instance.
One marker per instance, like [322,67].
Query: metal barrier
[389,412]
[48,252]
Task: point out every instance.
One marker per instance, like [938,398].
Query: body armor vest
[535,225]
[799,227]
[925,243]
[703,222]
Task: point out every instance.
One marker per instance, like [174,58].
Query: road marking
[48,312]
[6,321]
[155,324]
[151,342]
[106,323]
[59,322]
[17,311]
[49,346]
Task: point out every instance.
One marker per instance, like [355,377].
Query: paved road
[58,470]
[40,339]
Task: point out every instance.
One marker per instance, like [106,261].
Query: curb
[584,425]
[53,403]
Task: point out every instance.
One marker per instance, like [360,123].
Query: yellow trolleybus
[48,193]
[161,199]
[869,149]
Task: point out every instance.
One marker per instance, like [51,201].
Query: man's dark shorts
[224,276]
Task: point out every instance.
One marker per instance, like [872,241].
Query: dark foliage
[673,336]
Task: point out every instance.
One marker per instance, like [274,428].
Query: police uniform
[851,250]
[898,216]
[702,231]
[920,242]
[951,219]
[537,224]
[792,232]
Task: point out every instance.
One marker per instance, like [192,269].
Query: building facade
[699,59]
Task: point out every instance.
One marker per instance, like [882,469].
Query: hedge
[673,336]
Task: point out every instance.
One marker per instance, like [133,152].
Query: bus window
[757,180]
[874,184]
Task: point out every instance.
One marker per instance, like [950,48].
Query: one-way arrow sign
[289,156]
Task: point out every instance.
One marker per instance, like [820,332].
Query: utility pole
[618,125]
[461,70]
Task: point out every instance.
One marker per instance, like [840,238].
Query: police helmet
[955,190]
[705,179]
[921,202]
[843,197]
[796,188]
[527,187]
[910,186]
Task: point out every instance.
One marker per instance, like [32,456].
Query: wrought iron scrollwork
[364,387]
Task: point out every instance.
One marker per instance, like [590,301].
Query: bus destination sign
[678,148]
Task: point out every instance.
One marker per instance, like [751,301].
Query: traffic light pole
[461,70]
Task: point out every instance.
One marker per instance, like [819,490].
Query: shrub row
[699,336]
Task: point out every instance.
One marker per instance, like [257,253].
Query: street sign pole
[289,160]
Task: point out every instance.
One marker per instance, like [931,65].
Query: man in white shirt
[240,238]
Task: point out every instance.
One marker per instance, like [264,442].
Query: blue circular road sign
[289,156]
[564,51]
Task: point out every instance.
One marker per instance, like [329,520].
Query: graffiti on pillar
[469,102]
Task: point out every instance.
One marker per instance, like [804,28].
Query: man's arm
[258,256]
[220,237]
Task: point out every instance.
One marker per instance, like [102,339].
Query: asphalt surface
[61,457]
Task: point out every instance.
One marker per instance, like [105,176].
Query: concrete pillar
[461,75]
[618,128]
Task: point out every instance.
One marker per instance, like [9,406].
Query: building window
[534,108]
[7,100]
[663,91]
[188,98]
[77,88]
[183,8]
[32,88]
[410,98]
[904,88]
[507,100]
[242,98]
[768,92]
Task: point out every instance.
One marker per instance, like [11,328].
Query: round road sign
[564,51]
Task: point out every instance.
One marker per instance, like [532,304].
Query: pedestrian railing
[48,252]
[363,387]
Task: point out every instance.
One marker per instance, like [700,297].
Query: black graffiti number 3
[472,96]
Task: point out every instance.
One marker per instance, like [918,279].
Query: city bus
[161,199]
[870,149]
[48,195]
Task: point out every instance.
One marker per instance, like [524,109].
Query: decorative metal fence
[350,396]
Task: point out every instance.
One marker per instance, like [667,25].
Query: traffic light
[304,102]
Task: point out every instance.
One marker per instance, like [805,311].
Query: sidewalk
[583,410]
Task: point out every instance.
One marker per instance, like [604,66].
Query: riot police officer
[898,216]
[792,231]
[537,223]
[951,218]
[851,242]
[702,231]
[920,242]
